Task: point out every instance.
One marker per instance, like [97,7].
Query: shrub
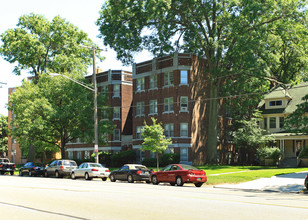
[268,153]
[123,157]
[166,159]
[149,162]
[304,153]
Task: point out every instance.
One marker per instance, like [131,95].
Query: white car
[90,170]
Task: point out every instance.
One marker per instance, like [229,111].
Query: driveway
[293,182]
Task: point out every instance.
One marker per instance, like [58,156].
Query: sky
[80,13]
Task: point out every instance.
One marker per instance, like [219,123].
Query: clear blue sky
[81,13]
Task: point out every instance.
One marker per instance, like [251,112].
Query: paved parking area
[293,182]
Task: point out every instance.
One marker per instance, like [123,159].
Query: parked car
[90,170]
[306,182]
[6,166]
[179,174]
[32,169]
[60,168]
[131,173]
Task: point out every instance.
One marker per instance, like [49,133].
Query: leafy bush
[268,153]
[168,159]
[304,153]
[123,157]
[149,162]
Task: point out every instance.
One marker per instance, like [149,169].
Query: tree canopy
[154,139]
[3,134]
[53,112]
[38,45]
[243,42]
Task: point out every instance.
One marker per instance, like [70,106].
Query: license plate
[199,179]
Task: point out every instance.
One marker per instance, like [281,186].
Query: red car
[179,174]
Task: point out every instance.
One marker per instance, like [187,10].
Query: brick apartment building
[117,86]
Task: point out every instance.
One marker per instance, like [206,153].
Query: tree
[154,139]
[3,134]
[38,45]
[53,112]
[249,136]
[233,35]
[297,121]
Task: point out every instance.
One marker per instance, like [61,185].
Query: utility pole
[95,108]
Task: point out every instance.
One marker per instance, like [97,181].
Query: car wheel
[154,180]
[104,178]
[57,174]
[20,173]
[172,184]
[112,178]
[30,173]
[148,181]
[179,181]
[198,184]
[73,176]
[130,179]
[2,173]
[306,182]
[45,173]
[87,177]
[12,173]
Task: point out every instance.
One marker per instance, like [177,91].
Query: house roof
[295,93]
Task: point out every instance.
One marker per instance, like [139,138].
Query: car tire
[20,173]
[104,178]
[57,174]
[45,173]
[179,181]
[12,173]
[112,178]
[306,182]
[148,181]
[130,179]
[87,177]
[2,173]
[73,176]
[198,184]
[154,180]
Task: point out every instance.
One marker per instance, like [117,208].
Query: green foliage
[38,45]
[249,135]
[3,134]
[53,112]
[304,153]
[269,153]
[123,157]
[297,121]
[149,162]
[169,159]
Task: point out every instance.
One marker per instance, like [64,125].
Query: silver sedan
[90,170]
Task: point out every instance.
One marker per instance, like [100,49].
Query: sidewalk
[293,182]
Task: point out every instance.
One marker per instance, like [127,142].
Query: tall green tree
[231,34]
[154,139]
[55,111]
[38,45]
[3,134]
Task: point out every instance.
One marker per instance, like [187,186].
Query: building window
[140,109]
[184,77]
[265,123]
[184,103]
[168,79]
[275,103]
[272,122]
[140,84]
[70,155]
[79,155]
[104,90]
[116,134]
[87,154]
[168,104]
[169,130]
[138,132]
[153,81]
[104,113]
[184,129]
[116,113]
[116,90]
[184,154]
[153,106]
[281,122]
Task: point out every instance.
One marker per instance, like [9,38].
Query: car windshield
[141,167]
[188,167]
[96,165]
[69,163]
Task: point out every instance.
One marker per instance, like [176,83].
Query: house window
[87,154]
[116,112]
[70,155]
[184,77]
[153,106]
[138,132]
[184,129]
[272,122]
[116,134]
[140,109]
[281,122]
[140,84]
[116,90]
[184,154]
[275,103]
[79,155]
[104,113]
[184,103]
[168,79]
[168,104]
[153,81]
[104,90]
[169,130]
[265,123]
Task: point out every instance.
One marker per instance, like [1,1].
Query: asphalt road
[51,198]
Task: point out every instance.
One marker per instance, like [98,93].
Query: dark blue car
[32,169]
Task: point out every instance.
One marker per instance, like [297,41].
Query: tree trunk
[157,163]
[63,148]
[31,154]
